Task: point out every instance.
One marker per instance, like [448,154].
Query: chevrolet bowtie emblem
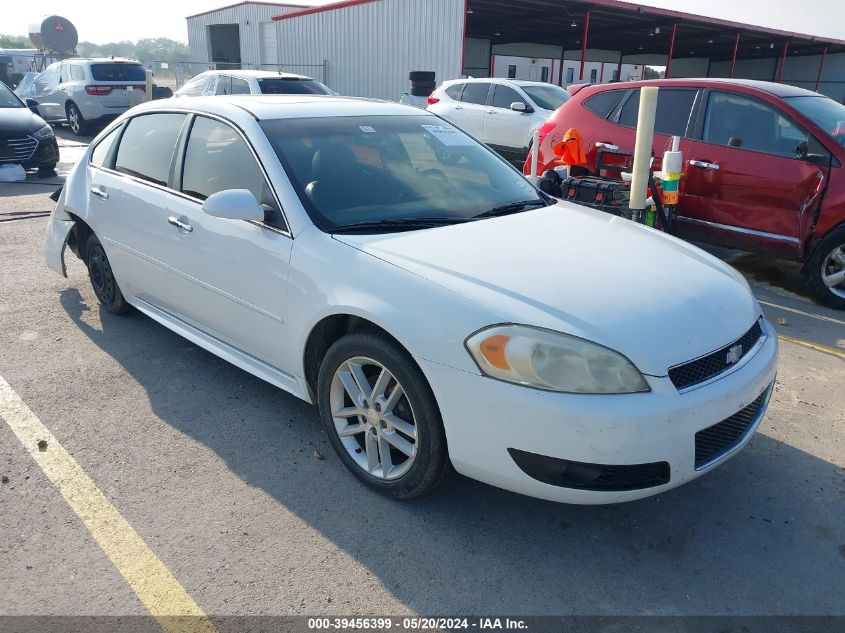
[734,354]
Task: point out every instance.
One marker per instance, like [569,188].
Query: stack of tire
[422,82]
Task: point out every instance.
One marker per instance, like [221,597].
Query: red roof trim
[326,7]
[238,4]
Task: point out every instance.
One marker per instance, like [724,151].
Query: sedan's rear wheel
[381,416]
[825,272]
[102,278]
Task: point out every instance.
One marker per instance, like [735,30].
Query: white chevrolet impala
[439,313]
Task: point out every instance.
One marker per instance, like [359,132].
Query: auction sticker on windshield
[447,136]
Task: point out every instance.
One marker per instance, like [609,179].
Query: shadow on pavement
[764,533]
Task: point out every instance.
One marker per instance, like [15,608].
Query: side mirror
[32,104]
[234,204]
[519,106]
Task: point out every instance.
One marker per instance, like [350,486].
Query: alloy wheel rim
[73,119]
[373,418]
[833,271]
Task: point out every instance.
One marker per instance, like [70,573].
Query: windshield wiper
[513,207]
[398,224]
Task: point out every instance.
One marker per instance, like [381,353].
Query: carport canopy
[632,29]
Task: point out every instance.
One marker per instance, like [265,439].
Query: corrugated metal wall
[798,71]
[370,48]
[477,57]
[248,16]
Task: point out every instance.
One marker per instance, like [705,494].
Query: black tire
[421,75]
[431,462]
[102,278]
[816,268]
[75,121]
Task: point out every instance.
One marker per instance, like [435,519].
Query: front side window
[503,97]
[197,85]
[146,148]
[372,169]
[548,97]
[101,150]
[674,106]
[475,93]
[824,112]
[48,79]
[218,159]
[745,123]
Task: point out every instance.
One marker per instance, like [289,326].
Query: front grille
[584,476]
[704,368]
[718,440]
[16,150]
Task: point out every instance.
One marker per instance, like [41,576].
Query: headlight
[550,360]
[43,133]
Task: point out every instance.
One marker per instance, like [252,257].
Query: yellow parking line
[816,346]
[153,583]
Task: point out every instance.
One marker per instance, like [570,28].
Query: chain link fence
[175,74]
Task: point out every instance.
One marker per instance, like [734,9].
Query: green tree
[14,41]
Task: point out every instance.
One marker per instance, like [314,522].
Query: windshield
[8,98]
[118,72]
[281,86]
[547,97]
[824,112]
[353,170]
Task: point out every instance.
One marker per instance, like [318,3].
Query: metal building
[367,47]
[237,36]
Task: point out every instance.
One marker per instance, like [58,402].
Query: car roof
[774,89]
[258,74]
[269,107]
[102,60]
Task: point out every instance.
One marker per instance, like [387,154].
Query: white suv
[84,91]
[501,112]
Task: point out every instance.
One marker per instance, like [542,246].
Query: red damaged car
[763,164]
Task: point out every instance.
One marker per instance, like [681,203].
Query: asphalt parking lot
[233,486]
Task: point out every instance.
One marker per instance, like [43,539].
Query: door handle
[99,193]
[704,164]
[182,226]
[459,107]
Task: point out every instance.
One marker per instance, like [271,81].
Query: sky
[96,22]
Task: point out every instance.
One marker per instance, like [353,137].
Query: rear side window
[602,104]
[77,73]
[273,86]
[239,86]
[503,97]
[475,93]
[217,159]
[673,110]
[455,91]
[146,148]
[101,150]
[118,72]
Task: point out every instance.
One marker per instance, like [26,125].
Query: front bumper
[44,154]
[488,421]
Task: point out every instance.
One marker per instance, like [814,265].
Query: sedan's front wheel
[381,416]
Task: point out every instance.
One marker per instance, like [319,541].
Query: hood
[654,298]
[18,121]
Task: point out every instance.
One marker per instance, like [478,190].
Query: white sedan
[437,314]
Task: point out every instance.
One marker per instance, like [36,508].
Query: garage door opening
[225,43]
